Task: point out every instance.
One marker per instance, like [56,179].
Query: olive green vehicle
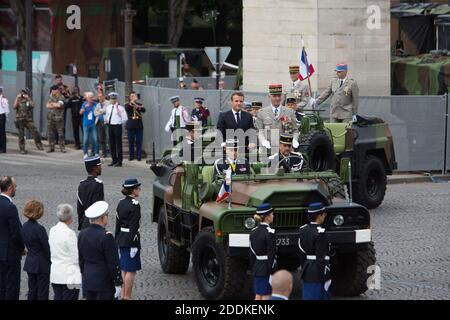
[363,149]
[216,235]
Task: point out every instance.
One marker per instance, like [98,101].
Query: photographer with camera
[134,126]
[24,119]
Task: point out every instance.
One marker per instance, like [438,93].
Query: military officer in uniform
[24,120]
[314,255]
[200,113]
[178,118]
[256,107]
[289,160]
[263,252]
[299,89]
[238,166]
[275,116]
[99,257]
[55,117]
[89,190]
[291,103]
[344,94]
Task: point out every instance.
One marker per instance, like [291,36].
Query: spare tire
[317,147]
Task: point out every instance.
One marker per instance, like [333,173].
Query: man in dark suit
[235,118]
[11,243]
[281,285]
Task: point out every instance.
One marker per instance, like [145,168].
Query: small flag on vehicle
[225,189]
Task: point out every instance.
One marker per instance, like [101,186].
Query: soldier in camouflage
[55,117]
[24,119]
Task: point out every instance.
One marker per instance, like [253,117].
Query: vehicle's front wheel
[173,259]
[370,188]
[217,275]
[350,272]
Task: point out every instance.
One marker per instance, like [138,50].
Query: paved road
[411,229]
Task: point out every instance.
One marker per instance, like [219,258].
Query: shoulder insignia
[135,202]
[98,180]
[320,230]
[304,226]
[271,230]
[109,233]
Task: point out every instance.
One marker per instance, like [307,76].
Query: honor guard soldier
[274,117]
[99,257]
[263,252]
[24,120]
[231,159]
[178,118]
[55,117]
[299,89]
[117,117]
[89,190]
[314,255]
[200,113]
[344,94]
[289,160]
[291,103]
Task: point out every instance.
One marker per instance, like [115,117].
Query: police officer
[291,103]
[98,257]
[299,89]
[314,255]
[344,94]
[74,103]
[200,113]
[127,234]
[89,190]
[263,252]
[24,119]
[238,166]
[289,160]
[55,117]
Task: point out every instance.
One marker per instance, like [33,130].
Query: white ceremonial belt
[125,229]
[262,257]
[315,257]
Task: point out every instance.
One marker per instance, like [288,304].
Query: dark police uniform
[74,103]
[291,163]
[127,233]
[89,192]
[263,254]
[241,166]
[315,261]
[99,263]
[200,114]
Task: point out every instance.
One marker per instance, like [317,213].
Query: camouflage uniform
[24,119]
[55,119]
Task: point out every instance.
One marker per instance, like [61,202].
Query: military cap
[54,87]
[113,95]
[257,104]
[25,90]
[181,79]
[193,125]
[316,208]
[275,89]
[286,138]
[96,210]
[131,183]
[264,210]
[291,98]
[174,99]
[294,69]
[199,100]
[93,161]
[341,67]
[232,143]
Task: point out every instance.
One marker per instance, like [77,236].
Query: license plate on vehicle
[284,241]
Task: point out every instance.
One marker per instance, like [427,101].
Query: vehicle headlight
[249,223]
[338,220]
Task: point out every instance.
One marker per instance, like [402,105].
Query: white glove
[223,144]
[133,252]
[327,285]
[295,143]
[312,101]
[266,144]
[118,292]
[194,118]
[270,280]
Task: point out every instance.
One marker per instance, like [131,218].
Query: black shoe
[118,165]
[130,159]
[112,164]
[78,147]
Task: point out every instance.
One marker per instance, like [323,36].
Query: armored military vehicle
[216,235]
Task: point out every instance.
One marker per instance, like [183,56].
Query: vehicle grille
[288,218]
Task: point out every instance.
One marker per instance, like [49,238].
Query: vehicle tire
[370,188]
[173,259]
[349,274]
[318,149]
[217,275]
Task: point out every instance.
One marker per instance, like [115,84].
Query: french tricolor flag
[304,66]
[225,189]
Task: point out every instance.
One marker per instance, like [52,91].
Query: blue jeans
[90,135]
[135,137]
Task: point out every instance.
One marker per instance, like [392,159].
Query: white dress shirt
[182,113]
[278,110]
[64,255]
[115,114]
[4,106]
[234,114]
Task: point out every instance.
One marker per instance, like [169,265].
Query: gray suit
[301,92]
[344,100]
[266,120]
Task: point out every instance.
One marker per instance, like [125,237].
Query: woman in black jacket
[37,263]
[263,249]
[127,234]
